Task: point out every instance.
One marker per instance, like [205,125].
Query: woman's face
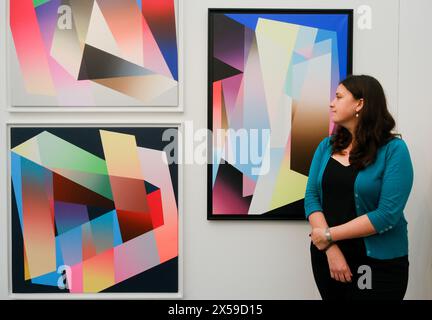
[344,107]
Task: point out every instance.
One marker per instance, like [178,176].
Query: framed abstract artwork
[271,77]
[94,211]
[95,53]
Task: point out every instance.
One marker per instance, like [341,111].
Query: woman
[359,182]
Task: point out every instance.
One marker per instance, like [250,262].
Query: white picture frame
[115,106]
[97,296]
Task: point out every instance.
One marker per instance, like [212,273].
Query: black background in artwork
[292,211]
[162,278]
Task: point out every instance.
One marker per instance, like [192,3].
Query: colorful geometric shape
[66,52]
[98,64]
[61,223]
[272,76]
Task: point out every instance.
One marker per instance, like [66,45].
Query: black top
[338,202]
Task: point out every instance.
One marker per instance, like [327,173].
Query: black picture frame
[295,210]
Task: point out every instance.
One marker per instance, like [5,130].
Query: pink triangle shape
[248,186]
[231,89]
[306,52]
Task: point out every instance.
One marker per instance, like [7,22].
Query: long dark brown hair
[375,123]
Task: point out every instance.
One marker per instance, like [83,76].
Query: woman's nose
[332,104]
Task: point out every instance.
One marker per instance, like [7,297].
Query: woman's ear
[360,105]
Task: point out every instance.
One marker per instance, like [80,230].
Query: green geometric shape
[56,153]
[67,160]
[37,3]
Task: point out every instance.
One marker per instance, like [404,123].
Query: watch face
[328,235]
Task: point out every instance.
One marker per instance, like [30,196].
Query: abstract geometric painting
[94,53]
[93,210]
[272,76]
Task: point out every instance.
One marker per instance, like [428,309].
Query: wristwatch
[328,235]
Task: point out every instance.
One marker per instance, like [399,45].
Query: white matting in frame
[90,55]
[118,243]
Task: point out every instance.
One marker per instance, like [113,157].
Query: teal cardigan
[381,191]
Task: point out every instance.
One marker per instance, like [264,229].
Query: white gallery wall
[414,118]
[270,259]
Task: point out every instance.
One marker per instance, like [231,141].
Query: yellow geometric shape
[98,272]
[29,150]
[290,187]
[276,41]
[27,275]
[121,155]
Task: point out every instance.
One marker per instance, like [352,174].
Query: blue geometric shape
[322,48]
[116,230]
[59,254]
[326,35]
[326,22]
[17,183]
[103,232]
[139,2]
[69,215]
[49,279]
[169,52]
[36,176]
[70,244]
[297,58]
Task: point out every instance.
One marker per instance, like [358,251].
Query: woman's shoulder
[395,145]
[395,142]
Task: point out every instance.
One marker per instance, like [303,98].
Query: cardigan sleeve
[396,186]
[312,201]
